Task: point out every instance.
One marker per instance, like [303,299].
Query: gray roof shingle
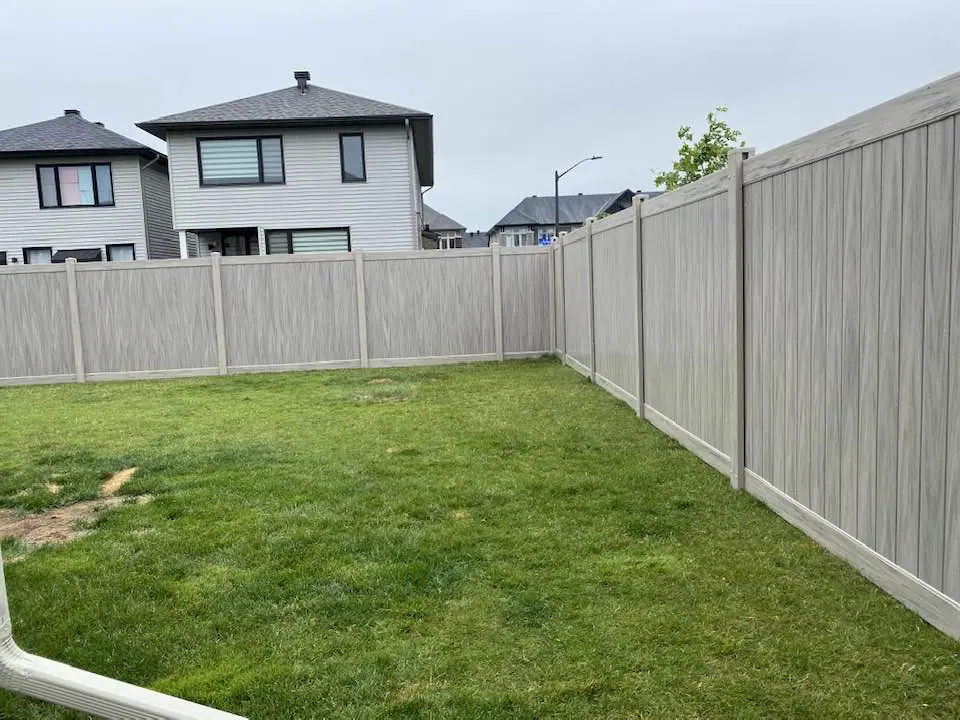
[318,103]
[574,209]
[290,107]
[438,222]
[477,239]
[67,134]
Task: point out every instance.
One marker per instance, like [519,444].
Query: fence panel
[138,319]
[526,301]
[688,326]
[430,307]
[35,336]
[281,314]
[615,288]
[576,301]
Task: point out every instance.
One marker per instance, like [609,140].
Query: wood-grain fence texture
[849,417]
[207,316]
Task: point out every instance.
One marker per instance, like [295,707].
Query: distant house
[300,169]
[533,218]
[478,239]
[72,188]
[440,231]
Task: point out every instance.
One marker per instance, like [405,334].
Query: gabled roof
[291,107]
[574,209]
[437,221]
[68,134]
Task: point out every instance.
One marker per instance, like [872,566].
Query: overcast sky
[517,89]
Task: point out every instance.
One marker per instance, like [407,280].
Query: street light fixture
[556,192]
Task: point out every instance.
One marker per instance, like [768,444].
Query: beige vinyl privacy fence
[795,322]
[208,316]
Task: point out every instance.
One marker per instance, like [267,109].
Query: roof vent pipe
[302,77]
[72,112]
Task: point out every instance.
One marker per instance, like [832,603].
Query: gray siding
[162,239]
[381,212]
[24,224]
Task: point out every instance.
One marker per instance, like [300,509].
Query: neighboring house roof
[574,209]
[477,239]
[68,134]
[314,105]
[437,221]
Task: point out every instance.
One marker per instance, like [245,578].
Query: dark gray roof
[67,135]
[318,103]
[477,239]
[574,209]
[439,222]
[290,107]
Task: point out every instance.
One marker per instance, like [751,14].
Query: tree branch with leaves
[700,157]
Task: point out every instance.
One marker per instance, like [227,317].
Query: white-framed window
[450,241]
[518,237]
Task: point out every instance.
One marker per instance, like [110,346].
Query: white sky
[517,89]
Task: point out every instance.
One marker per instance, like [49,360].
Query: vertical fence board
[791,310]
[911,347]
[869,328]
[752,231]
[576,307]
[804,260]
[834,315]
[888,390]
[35,325]
[936,344]
[951,550]
[818,344]
[850,340]
[778,349]
[766,340]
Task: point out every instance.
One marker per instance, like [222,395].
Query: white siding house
[302,169]
[48,206]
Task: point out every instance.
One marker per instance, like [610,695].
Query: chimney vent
[100,124]
[302,77]
[72,112]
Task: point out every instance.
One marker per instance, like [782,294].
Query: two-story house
[445,232]
[72,188]
[300,169]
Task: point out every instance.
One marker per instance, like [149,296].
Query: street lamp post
[556,192]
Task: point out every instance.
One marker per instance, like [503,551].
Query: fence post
[74,303]
[638,273]
[218,313]
[551,256]
[563,299]
[361,309]
[735,160]
[591,303]
[497,300]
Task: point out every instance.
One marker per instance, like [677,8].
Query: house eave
[21,154]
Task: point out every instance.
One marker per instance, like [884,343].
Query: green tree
[702,156]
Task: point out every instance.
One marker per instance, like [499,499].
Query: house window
[518,237]
[75,185]
[353,162]
[3,258]
[37,256]
[308,241]
[120,252]
[240,161]
[450,241]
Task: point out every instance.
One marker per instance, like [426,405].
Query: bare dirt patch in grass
[64,524]
[381,381]
[116,481]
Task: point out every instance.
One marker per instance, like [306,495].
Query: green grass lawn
[469,542]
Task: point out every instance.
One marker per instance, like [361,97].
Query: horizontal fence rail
[795,322]
[222,315]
